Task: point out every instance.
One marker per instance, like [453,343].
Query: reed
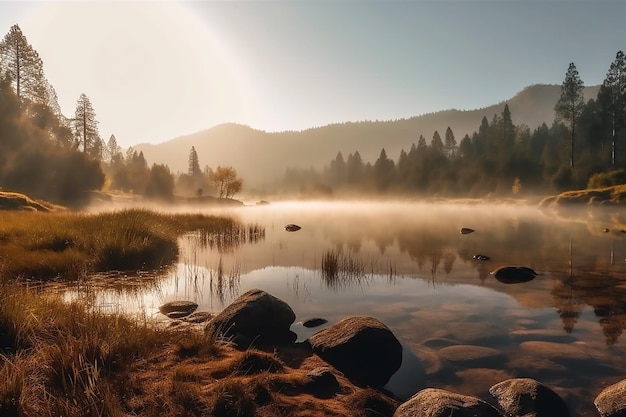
[340,269]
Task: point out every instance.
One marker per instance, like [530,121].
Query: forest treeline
[62,158]
[58,158]
[584,146]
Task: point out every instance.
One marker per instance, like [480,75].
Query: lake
[408,265]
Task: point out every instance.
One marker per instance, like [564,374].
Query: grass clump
[54,245]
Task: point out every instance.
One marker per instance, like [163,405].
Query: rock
[527,397]
[363,348]
[179,306]
[466,231]
[314,322]
[254,317]
[545,335]
[198,317]
[439,342]
[292,228]
[177,314]
[566,354]
[474,356]
[514,274]
[323,382]
[611,402]
[434,402]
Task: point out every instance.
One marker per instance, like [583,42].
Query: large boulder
[363,348]
[434,402]
[527,397]
[611,402]
[255,317]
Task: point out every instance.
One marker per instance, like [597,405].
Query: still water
[410,267]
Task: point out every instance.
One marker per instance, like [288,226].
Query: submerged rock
[180,307]
[314,322]
[514,274]
[363,348]
[292,228]
[466,231]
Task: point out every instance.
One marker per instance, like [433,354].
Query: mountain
[261,157]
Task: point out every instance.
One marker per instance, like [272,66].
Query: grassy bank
[53,245]
[60,359]
[606,196]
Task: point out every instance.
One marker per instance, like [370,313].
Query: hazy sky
[158,70]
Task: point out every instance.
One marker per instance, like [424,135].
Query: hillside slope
[260,157]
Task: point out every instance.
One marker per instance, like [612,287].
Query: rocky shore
[359,353]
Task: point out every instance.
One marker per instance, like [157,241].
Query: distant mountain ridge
[261,157]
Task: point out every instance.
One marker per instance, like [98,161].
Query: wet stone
[538,368]
[473,356]
[177,314]
[478,333]
[181,305]
[557,352]
[314,322]
[199,317]
[545,335]
[439,342]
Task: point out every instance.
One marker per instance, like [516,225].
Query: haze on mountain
[261,157]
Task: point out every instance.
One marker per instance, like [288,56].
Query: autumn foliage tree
[226,181]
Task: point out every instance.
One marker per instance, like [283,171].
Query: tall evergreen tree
[112,149]
[22,64]
[86,126]
[571,103]
[450,143]
[615,86]
[436,144]
[508,128]
[194,164]
[421,143]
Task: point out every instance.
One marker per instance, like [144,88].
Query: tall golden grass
[66,245]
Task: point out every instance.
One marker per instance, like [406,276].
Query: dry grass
[610,196]
[17,201]
[66,245]
[60,359]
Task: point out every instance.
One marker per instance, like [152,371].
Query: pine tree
[194,164]
[22,64]
[112,148]
[86,126]
[450,143]
[436,144]
[615,86]
[571,103]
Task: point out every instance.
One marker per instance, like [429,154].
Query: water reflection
[409,266]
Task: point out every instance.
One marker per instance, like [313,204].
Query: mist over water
[411,268]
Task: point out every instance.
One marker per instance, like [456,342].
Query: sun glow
[140,63]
